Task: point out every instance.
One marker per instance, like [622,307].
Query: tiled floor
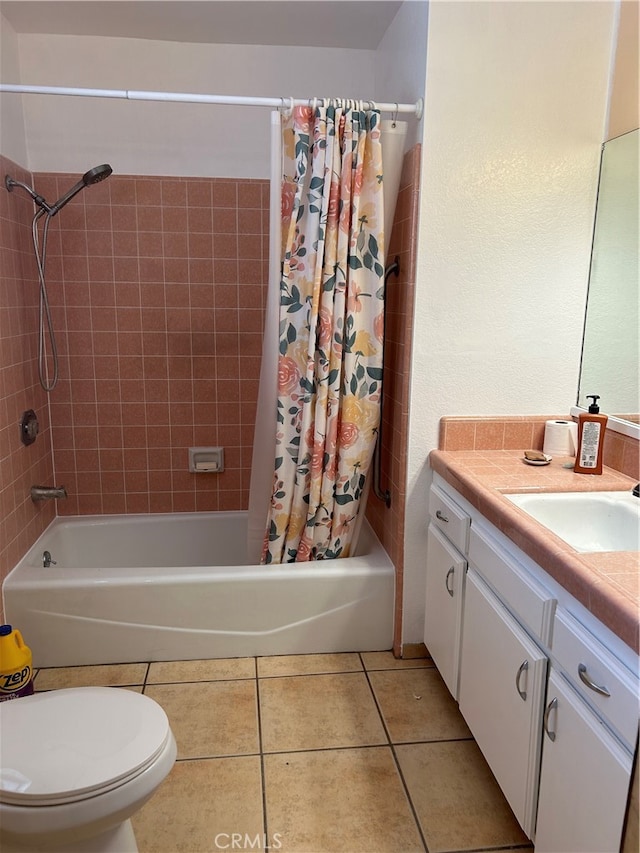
[312,753]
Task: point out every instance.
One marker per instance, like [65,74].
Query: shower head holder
[11,183]
[93,176]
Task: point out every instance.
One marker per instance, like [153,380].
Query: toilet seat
[69,745]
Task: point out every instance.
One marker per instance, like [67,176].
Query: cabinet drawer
[532,604]
[449,518]
[584,659]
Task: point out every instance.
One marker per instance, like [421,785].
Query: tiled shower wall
[21,521]
[157,287]
[388,522]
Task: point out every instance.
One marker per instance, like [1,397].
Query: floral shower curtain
[331,332]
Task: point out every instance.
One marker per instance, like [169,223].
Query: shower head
[97,174]
[93,176]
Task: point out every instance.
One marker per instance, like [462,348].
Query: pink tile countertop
[606,583]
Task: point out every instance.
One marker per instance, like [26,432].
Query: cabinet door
[443,611]
[502,676]
[584,780]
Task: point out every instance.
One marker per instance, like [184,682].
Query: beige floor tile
[457,800]
[416,705]
[200,805]
[107,675]
[386,660]
[210,718]
[344,801]
[308,664]
[318,712]
[201,670]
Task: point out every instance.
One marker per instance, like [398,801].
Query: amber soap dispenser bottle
[591,427]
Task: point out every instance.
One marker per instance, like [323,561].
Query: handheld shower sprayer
[93,176]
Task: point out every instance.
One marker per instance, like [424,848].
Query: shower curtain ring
[287,111]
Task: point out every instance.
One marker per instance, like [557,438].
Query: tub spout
[46,493]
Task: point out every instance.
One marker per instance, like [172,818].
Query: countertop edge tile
[577,573]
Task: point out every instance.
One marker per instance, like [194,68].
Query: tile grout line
[146,676]
[395,760]
[507,847]
[263,780]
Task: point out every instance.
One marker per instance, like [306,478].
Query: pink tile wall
[515,432]
[157,287]
[524,432]
[622,453]
[388,522]
[21,521]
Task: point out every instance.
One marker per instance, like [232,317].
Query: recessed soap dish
[206,460]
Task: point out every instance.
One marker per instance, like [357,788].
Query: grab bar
[385,496]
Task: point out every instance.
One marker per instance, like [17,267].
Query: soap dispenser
[591,427]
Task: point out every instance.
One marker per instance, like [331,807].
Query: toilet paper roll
[560,438]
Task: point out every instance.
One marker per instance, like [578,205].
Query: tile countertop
[606,583]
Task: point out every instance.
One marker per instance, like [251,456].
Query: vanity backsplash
[524,432]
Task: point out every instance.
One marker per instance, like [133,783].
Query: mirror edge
[615,424]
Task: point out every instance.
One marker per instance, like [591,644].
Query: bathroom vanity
[539,650]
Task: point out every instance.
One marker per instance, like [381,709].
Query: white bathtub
[176,587]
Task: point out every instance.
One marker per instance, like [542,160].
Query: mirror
[610,346]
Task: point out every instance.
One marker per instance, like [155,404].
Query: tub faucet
[45,493]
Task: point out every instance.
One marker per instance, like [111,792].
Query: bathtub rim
[28,571]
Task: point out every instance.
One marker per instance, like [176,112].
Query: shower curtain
[330,332]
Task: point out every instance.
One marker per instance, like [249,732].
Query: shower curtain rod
[193,98]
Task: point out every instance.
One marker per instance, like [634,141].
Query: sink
[588,521]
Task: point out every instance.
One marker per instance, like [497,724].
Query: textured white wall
[515,112]
[12,134]
[401,61]
[71,134]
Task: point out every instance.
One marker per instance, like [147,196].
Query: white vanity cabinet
[586,769]
[584,779]
[507,619]
[549,693]
[502,681]
[447,542]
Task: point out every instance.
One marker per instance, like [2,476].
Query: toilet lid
[67,745]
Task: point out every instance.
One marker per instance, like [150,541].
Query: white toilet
[76,764]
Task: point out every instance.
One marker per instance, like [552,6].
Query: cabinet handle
[584,678]
[553,704]
[446,581]
[524,666]
[442,517]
